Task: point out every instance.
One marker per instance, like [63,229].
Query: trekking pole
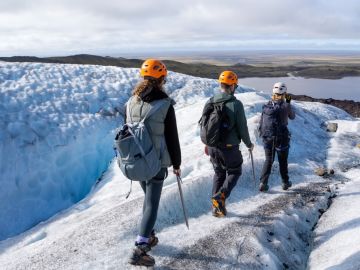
[252,164]
[182,200]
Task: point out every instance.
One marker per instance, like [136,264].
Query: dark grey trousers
[269,160]
[227,164]
[152,189]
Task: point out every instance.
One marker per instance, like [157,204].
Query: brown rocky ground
[350,106]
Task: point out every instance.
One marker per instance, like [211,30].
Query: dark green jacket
[238,124]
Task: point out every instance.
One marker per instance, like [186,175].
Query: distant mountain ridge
[85,59]
[213,71]
[201,69]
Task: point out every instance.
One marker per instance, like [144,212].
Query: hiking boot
[139,255]
[218,202]
[286,185]
[263,187]
[153,240]
[217,213]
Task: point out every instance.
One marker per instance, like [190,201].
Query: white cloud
[43,27]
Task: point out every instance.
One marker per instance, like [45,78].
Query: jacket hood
[221,97]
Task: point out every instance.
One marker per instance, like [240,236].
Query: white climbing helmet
[279,88]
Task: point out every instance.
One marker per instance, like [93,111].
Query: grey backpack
[136,153]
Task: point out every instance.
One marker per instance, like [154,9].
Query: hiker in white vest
[163,131]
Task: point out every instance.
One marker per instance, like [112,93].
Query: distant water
[345,88]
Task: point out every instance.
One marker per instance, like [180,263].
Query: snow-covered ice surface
[56,133]
[336,245]
[337,235]
[99,231]
[54,137]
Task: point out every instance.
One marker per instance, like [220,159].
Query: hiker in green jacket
[226,158]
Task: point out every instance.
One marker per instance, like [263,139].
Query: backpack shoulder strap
[128,112]
[156,105]
[210,101]
[266,104]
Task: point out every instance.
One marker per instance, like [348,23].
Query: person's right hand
[251,147]
[177,172]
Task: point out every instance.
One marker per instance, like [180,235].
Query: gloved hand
[251,147]
[206,150]
[288,98]
[177,172]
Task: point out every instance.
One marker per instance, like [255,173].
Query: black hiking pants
[227,164]
[269,160]
[152,189]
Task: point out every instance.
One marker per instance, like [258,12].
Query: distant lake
[345,88]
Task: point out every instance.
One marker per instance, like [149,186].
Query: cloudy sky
[116,27]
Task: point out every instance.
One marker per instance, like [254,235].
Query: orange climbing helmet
[228,77]
[153,68]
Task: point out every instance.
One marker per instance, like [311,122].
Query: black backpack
[214,123]
[271,129]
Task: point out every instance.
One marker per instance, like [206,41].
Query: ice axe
[179,181]
[252,164]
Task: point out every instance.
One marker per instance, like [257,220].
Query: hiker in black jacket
[275,134]
[163,130]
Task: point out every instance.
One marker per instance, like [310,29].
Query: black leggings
[152,189]
[283,163]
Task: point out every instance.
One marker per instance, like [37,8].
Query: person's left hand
[288,98]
